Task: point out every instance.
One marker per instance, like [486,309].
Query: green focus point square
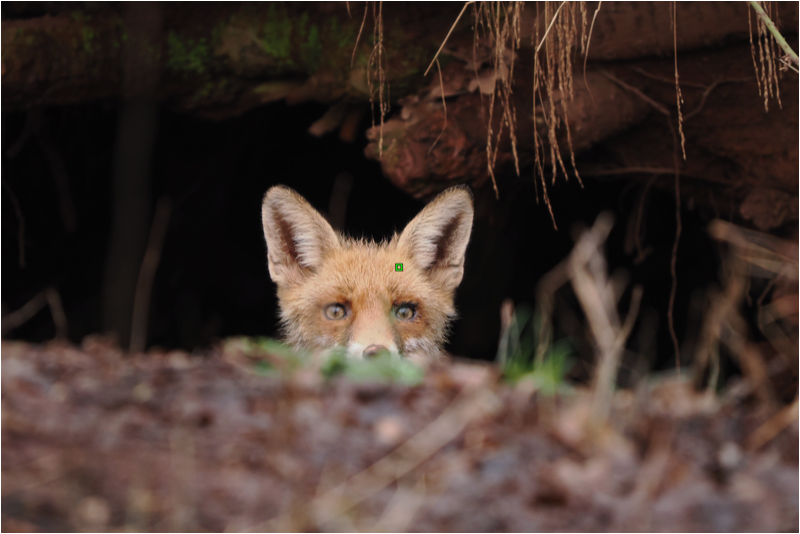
[398,267]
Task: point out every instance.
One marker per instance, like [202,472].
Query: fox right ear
[297,236]
[437,237]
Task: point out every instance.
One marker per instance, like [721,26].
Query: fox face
[335,291]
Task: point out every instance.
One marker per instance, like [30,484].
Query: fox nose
[373,350]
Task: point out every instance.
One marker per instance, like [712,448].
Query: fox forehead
[363,272]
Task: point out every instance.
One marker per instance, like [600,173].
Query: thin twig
[678,95]
[553,21]
[663,110]
[629,170]
[33,122]
[787,65]
[59,170]
[589,42]
[444,105]
[702,103]
[361,29]
[677,172]
[453,27]
[20,220]
[774,31]
[662,79]
[692,85]
[640,214]
[144,285]
[674,258]
[45,297]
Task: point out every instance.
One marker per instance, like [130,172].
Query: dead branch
[57,310]
[45,297]
[473,402]
[599,302]
[147,272]
[20,223]
[25,313]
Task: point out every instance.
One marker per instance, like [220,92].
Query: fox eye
[335,312]
[406,312]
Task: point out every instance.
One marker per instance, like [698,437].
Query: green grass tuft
[382,368]
[517,354]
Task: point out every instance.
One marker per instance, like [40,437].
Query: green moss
[338,42]
[312,48]
[29,38]
[187,56]
[211,90]
[276,35]
[88,36]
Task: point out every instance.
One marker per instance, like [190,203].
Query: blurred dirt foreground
[236,441]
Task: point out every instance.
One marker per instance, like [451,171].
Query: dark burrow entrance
[212,281]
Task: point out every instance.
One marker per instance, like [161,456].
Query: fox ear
[437,237]
[297,236]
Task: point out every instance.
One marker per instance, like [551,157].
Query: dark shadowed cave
[212,281]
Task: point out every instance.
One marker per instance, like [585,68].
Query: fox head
[336,291]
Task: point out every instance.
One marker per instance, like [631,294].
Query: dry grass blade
[545,300]
[762,251]
[767,432]
[502,23]
[677,172]
[757,254]
[376,71]
[678,95]
[599,302]
[404,505]
[550,27]
[360,30]
[752,254]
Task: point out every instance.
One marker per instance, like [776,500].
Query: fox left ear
[437,237]
[297,236]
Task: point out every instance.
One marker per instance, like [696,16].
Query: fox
[338,292]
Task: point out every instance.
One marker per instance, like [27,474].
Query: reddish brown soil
[94,440]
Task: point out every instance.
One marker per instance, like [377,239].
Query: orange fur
[315,267]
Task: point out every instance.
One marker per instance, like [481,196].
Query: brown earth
[94,440]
